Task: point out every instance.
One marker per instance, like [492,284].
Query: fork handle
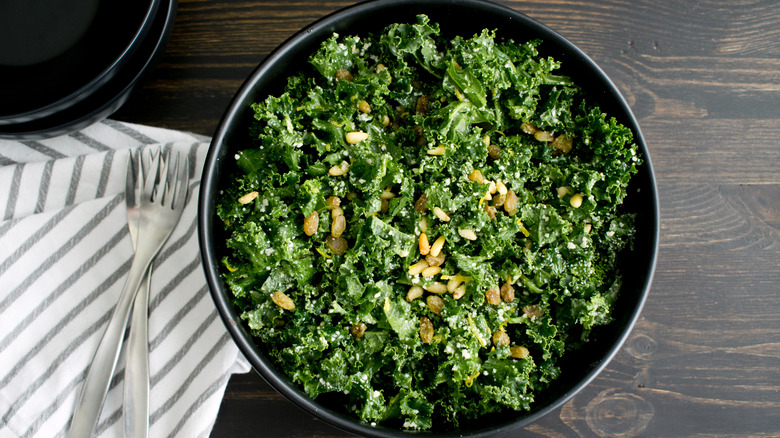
[95,387]
[136,406]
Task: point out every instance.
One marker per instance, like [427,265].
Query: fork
[159,208]
[135,410]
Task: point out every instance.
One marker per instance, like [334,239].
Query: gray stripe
[7,225]
[43,149]
[104,173]
[5,161]
[127,130]
[15,183]
[33,239]
[214,387]
[54,405]
[175,281]
[171,247]
[176,358]
[89,141]
[62,287]
[207,357]
[175,319]
[60,253]
[58,361]
[74,180]
[44,190]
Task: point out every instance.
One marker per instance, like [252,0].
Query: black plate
[109,97]
[464,17]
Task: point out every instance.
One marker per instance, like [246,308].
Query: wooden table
[703,78]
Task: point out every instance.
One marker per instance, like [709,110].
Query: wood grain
[703,78]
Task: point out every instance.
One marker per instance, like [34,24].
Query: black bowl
[54,57]
[108,98]
[466,17]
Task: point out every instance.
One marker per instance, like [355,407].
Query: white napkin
[65,252]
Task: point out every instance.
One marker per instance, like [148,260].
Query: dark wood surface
[703,78]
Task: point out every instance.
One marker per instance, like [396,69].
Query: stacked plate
[66,65]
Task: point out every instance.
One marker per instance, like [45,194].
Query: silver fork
[135,410]
[159,208]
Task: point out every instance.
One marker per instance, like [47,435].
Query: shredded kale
[543,206]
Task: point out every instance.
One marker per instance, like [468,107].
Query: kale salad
[425,225]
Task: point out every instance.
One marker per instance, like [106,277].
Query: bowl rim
[94,83]
[231,319]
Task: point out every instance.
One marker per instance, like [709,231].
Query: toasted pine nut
[418,267]
[439,213]
[423,225]
[587,228]
[339,170]
[364,107]
[249,197]
[438,244]
[453,284]
[492,187]
[468,234]
[414,293]
[438,150]
[459,292]
[436,288]
[387,194]
[563,191]
[423,244]
[576,200]
[431,271]
[356,137]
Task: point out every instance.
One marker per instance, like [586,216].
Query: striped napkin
[65,252]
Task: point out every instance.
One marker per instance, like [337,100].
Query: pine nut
[468,234]
[438,150]
[576,200]
[438,244]
[423,244]
[413,293]
[439,213]
[339,170]
[356,137]
[249,197]
[436,288]
[418,267]
[431,271]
